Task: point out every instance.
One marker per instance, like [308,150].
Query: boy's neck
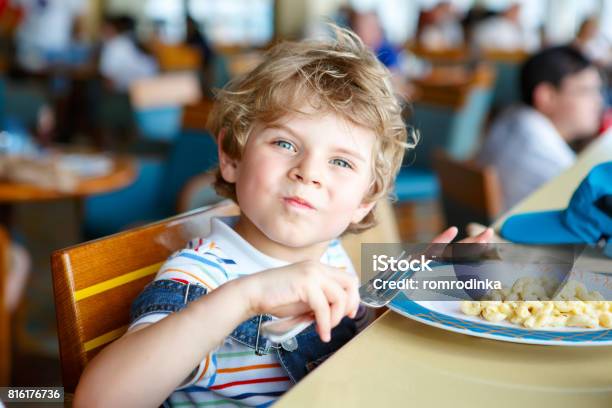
[250,233]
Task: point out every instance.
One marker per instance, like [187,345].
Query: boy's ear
[544,97]
[227,165]
[361,211]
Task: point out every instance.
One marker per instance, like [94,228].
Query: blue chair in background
[158,104]
[159,123]
[506,90]
[106,214]
[450,117]
[154,194]
[199,192]
[193,153]
[2,101]
[447,117]
[22,103]
[113,115]
[20,106]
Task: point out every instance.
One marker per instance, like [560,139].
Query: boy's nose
[306,172]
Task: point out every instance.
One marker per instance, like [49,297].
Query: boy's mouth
[298,202]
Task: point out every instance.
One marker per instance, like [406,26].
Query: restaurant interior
[103,129]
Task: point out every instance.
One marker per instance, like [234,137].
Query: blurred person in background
[195,37]
[122,61]
[505,32]
[591,41]
[46,31]
[561,104]
[440,28]
[594,44]
[122,58]
[368,27]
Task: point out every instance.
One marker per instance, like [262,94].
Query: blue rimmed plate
[448,316]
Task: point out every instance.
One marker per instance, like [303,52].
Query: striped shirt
[232,374]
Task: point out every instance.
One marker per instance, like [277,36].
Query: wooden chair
[177,57]
[95,282]
[469,193]
[439,57]
[195,115]
[5,322]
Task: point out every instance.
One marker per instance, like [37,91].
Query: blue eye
[341,163]
[285,145]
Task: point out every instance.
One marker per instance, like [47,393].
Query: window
[236,22]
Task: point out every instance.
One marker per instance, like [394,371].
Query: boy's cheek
[346,207]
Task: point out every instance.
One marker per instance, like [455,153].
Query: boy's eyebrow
[344,150]
[350,153]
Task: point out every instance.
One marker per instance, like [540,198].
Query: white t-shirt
[444,35]
[526,150]
[122,62]
[47,27]
[599,49]
[499,33]
[231,374]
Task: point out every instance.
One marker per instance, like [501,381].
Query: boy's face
[576,106]
[302,181]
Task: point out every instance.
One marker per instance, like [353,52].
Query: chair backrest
[154,193]
[158,101]
[95,282]
[23,102]
[174,89]
[193,152]
[451,116]
[469,193]
[5,338]
[195,115]
[506,90]
[177,57]
[198,192]
[440,56]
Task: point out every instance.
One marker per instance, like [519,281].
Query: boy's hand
[449,234]
[483,237]
[305,287]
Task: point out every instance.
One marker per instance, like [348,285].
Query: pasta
[530,303]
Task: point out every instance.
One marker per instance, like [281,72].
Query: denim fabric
[298,356]
[164,296]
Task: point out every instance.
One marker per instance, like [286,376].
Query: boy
[308,142]
[528,144]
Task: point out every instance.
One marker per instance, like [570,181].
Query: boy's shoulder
[206,244]
[204,250]
[337,256]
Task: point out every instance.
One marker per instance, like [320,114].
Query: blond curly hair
[341,76]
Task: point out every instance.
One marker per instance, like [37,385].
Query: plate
[448,316]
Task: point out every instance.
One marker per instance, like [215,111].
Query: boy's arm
[144,367]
